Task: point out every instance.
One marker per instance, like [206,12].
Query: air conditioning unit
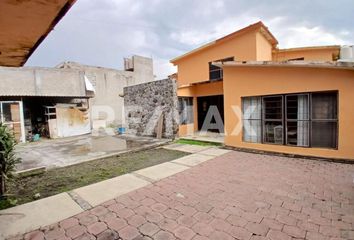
[346,54]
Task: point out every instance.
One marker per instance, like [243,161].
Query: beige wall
[195,68]
[252,81]
[200,90]
[264,48]
[316,54]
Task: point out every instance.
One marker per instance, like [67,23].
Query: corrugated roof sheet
[49,82]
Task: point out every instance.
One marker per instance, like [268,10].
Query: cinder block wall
[144,104]
[109,84]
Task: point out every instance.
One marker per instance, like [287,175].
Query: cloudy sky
[102,32]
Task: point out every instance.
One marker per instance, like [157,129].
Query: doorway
[205,105]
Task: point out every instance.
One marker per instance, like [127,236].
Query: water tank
[346,54]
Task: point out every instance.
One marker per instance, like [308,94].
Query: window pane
[273,107]
[297,107]
[298,133]
[324,106]
[213,67]
[252,124]
[215,72]
[215,75]
[273,132]
[185,108]
[11,112]
[252,131]
[252,108]
[324,134]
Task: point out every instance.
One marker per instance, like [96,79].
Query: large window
[185,109]
[215,72]
[306,120]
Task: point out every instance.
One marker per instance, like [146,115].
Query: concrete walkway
[33,215]
[234,195]
[206,136]
[61,152]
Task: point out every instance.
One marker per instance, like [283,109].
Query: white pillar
[22,122]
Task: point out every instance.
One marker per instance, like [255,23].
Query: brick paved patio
[235,196]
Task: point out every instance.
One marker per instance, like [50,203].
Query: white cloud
[163,68]
[288,35]
[303,34]
[102,32]
[218,29]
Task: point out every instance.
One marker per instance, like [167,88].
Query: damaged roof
[25,24]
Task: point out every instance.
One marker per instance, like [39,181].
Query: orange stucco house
[295,101]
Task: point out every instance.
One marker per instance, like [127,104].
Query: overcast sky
[102,32]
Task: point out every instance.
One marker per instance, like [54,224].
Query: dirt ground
[62,152]
[63,179]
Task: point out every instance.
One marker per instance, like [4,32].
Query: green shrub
[8,159]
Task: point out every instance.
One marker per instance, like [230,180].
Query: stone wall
[144,104]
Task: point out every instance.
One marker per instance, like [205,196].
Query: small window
[215,72]
[185,110]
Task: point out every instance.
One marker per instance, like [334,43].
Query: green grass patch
[57,180]
[196,142]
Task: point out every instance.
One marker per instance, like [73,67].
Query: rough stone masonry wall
[144,104]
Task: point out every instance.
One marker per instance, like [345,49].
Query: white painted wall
[71,122]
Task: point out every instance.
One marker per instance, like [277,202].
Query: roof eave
[60,15]
[251,27]
[309,48]
[294,64]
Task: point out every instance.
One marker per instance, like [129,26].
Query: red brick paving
[235,196]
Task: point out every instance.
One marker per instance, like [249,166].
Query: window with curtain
[185,109]
[305,119]
[324,120]
[297,120]
[252,119]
